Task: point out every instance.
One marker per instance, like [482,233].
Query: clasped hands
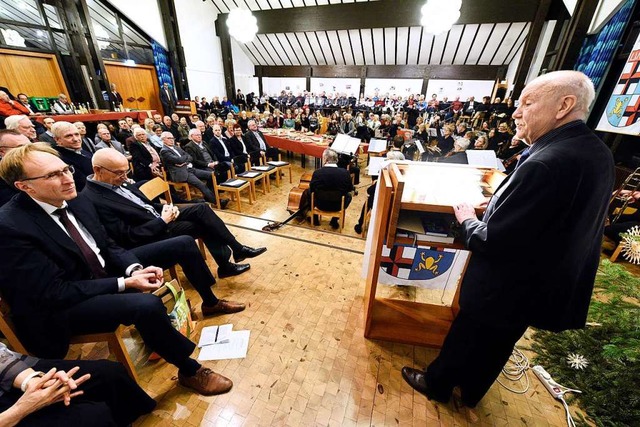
[169,213]
[54,386]
[146,279]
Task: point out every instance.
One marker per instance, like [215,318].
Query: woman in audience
[482,142]
[289,122]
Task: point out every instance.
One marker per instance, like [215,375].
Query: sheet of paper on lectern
[375,164]
[236,348]
[482,158]
[419,145]
[377,145]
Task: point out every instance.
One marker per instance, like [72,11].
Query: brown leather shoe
[223,307]
[206,382]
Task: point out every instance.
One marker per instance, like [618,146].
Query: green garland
[611,381]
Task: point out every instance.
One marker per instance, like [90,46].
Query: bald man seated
[132,220]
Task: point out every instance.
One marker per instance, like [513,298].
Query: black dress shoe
[247,252]
[416,379]
[224,203]
[232,270]
[334,223]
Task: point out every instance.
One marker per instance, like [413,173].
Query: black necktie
[89,255]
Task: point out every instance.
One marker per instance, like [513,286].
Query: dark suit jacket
[44,272]
[215,146]
[168,102]
[196,155]
[537,248]
[170,160]
[88,145]
[128,224]
[6,192]
[235,146]
[81,163]
[45,137]
[252,142]
[115,98]
[141,159]
[331,178]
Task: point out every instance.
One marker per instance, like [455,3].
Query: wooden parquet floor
[308,363]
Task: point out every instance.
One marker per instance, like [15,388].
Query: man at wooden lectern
[536,250]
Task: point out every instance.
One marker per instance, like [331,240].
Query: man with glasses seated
[62,276]
[69,145]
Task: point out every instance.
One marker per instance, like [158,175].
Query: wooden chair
[232,188]
[252,177]
[113,339]
[268,171]
[179,186]
[156,187]
[329,195]
[365,220]
[280,168]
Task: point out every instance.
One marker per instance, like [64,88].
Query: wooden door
[137,84]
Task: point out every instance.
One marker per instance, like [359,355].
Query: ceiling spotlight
[439,16]
[242,25]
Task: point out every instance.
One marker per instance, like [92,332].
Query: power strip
[553,387]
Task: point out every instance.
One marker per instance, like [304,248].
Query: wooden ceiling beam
[392,13]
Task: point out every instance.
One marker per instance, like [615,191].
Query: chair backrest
[328,195]
[7,328]
[332,198]
[156,187]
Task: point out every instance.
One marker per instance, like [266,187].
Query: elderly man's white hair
[569,82]
[461,144]
[194,131]
[12,122]
[329,156]
[138,130]
[58,128]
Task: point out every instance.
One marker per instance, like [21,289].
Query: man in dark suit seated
[133,220]
[257,144]
[204,160]
[69,146]
[47,135]
[554,203]
[144,157]
[62,276]
[331,178]
[60,393]
[180,168]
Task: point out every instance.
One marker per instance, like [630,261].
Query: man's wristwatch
[29,377]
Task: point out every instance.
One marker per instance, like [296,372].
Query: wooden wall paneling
[37,74]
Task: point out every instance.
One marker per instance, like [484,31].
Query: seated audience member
[145,158]
[87,143]
[331,178]
[133,220]
[153,135]
[168,125]
[458,155]
[69,147]
[157,118]
[10,107]
[31,106]
[183,128]
[9,139]
[124,131]
[243,121]
[511,154]
[218,146]
[62,105]
[23,125]
[481,142]
[348,125]
[501,139]
[238,149]
[62,276]
[47,135]
[204,159]
[60,393]
[106,141]
[179,167]
[257,144]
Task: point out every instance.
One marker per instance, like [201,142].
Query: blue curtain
[598,49]
[161,62]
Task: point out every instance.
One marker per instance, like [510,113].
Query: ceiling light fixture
[243,26]
[439,16]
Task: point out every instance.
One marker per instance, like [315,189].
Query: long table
[139,116]
[303,148]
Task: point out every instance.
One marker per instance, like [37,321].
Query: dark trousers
[472,356]
[194,178]
[111,397]
[181,250]
[371,191]
[199,221]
